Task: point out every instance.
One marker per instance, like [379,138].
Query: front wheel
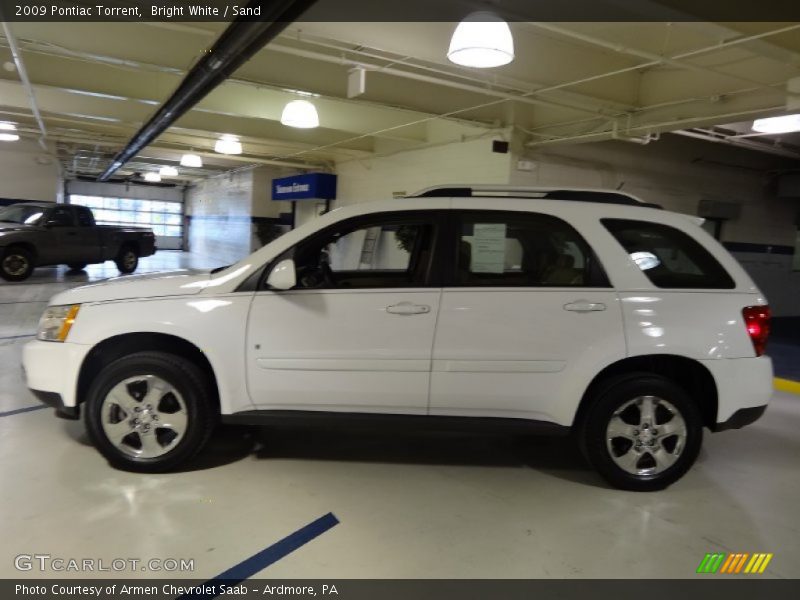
[641,432]
[16,264]
[149,412]
[127,260]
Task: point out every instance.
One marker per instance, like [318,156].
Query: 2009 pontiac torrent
[520,309]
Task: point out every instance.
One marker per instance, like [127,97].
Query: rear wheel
[149,412]
[16,264]
[642,432]
[127,260]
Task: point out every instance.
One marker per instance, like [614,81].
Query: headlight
[56,322]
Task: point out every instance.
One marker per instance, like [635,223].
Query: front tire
[149,412]
[127,260]
[16,264]
[642,432]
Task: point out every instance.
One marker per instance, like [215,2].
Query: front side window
[524,249]
[378,254]
[669,257]
[60,217]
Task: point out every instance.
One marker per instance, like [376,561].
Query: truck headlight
[56,322]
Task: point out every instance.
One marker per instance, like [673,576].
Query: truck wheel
[149,412]
[17,264]
[642,432]
[127,260]
[77,266]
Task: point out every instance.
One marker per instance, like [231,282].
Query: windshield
[22,213]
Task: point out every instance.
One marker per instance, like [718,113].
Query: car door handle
[408,308]
[584,306]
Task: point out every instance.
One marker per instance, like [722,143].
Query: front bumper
[53,399]
[51,373]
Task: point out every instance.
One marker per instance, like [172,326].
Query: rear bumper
[742,417]
[744,387]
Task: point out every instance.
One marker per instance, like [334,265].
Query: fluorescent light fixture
[5,126]
[482,40]
[167,171]
[8,137]
[228,144]
[301,114]
[191,160]
[152,177]
[784,124]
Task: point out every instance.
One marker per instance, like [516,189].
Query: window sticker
[488,248]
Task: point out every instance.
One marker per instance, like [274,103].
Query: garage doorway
[164,217]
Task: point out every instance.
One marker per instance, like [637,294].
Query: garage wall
[28,173]
[224,213]
[406,172]
[677,173]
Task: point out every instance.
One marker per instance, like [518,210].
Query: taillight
[756,319]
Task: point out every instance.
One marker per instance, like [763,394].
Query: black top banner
[402,10]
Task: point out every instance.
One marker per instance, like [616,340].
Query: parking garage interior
[664,110]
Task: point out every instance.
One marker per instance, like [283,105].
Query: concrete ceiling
[96,83]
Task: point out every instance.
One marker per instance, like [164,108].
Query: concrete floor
[415,506]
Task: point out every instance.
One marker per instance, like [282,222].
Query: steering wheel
[317,276]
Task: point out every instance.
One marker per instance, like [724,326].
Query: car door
[527,317]
[356,332]
[63,240]
[89,245]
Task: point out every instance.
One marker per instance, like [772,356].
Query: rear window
[669,257]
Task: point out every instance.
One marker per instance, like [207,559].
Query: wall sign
[305,187]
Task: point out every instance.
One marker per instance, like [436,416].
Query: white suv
[520,309]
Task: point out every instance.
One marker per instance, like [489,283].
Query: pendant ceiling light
[481,40]
[784,124]
[152,177]
[301,114]
[228,144]
[168,171]
[191,160]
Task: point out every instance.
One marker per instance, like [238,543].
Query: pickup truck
[38,234]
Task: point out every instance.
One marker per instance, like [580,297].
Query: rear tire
[127,260]
[641,432]
[150,412]
[16,264]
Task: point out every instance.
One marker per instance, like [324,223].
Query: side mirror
[282,276]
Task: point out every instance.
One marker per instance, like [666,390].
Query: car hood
[184,282]
[8,227]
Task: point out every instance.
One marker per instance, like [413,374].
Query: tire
[77,266]
[621,407]
[173,423]
[16,264]
[127,260]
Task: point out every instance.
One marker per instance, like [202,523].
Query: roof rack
[543,193]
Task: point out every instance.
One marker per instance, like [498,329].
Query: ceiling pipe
[709,136]
[26,82]
[237,44]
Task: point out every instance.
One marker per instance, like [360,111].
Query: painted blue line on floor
[16,337]
[22,410]
[272,554]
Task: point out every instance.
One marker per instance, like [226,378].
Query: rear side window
[523,250]
[85,218]
[669,257]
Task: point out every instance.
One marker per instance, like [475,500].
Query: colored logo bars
[734,564]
